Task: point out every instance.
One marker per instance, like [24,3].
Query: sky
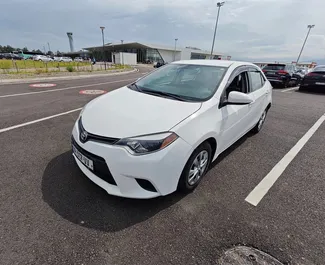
[254,30]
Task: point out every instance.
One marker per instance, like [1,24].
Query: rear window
[275,67]
[319,69]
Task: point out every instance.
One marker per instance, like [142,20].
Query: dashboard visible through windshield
[183,81]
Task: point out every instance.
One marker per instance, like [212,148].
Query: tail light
[282,72]
[311,74]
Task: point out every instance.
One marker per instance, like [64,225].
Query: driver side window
[238,84]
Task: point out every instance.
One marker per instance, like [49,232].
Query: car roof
[222,63]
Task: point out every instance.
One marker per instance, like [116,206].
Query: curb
[29,80]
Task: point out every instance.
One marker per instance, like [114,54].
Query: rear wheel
[259,125]
[195,168]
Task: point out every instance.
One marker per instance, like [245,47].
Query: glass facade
[144,55]
[197,56]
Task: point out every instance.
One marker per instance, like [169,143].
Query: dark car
[314,81]
[283,75]
[10,56]
[159,64]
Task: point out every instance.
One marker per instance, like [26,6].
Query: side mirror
[239,98]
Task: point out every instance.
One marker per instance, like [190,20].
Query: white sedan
[65,59]
[161,133]
[42,58]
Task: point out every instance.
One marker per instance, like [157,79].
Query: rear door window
[255,80]
[274,67]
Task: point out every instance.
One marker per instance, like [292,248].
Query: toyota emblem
[83,136]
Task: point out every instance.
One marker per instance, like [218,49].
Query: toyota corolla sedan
[161,133]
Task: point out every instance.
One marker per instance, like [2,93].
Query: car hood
[125,113]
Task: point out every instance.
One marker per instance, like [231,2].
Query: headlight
[149,143]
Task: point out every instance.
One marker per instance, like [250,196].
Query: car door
[259,90]
[234,118]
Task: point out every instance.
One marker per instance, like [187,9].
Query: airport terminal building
[149,53]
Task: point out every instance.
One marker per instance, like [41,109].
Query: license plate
[85,160]
[319,83]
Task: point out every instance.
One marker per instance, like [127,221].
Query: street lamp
[102,28]
[303,46]
[175,50]
[122,53]
[219,5]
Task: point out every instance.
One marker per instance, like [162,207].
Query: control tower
[70,41]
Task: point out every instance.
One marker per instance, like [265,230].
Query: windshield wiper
[134,87]
[166,94]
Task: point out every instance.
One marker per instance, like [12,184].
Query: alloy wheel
[198,167]
[261,121]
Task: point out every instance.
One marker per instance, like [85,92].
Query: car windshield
[275,67]
[186,81]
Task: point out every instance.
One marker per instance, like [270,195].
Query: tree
[25,49]
[39,51]
[6,49]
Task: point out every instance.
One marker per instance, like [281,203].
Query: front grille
[100,167]
[96,138]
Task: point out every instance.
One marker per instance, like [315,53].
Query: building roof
[140,45]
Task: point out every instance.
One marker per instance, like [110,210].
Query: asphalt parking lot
[50,213]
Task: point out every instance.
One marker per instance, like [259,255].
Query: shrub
[70,68]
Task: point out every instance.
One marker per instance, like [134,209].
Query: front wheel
[195,168]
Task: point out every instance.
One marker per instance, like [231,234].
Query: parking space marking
[39,120]
[289,89]
[42,85]
[66,88]
[268,181]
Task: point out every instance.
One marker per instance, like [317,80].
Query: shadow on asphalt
[76,198]
[232,148]
[311,92]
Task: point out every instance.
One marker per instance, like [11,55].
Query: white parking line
[66,88]
[289,89]
[39,120]
[268,181]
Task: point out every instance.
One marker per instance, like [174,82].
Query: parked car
[302,70]
[42,58]
[78,59]
[281,74]
[10,56]
[314,81]
[65,59]
[178,120]
[158,64]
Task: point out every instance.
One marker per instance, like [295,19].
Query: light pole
[219,5]
[102,28]
[44,50]
[48,44]
[303,46]
[122,53]
[175,50]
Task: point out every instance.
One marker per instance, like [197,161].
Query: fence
[38,67]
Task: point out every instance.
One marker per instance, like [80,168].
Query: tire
[258,127]
[188,183]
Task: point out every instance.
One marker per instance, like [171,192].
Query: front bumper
[162,169]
